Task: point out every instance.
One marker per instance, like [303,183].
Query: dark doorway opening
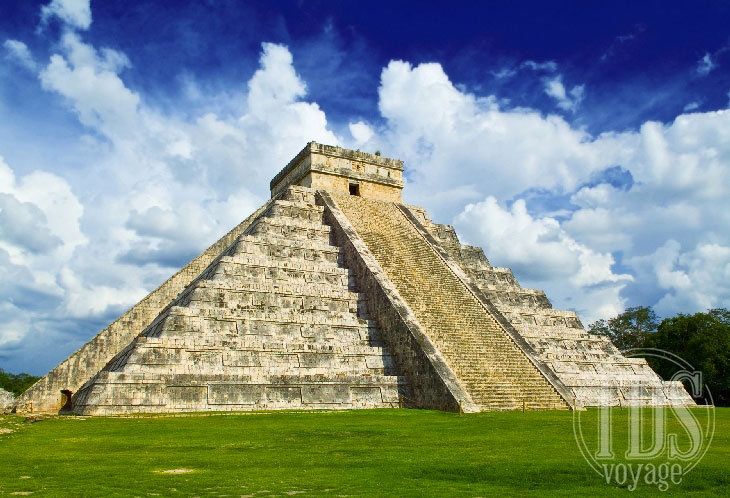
[354,189]
[66,400]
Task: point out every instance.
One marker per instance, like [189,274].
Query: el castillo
[336,295]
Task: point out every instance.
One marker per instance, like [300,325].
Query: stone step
[131,394]
[536,320]
[240,285]
[219,377]
[519,298]
[204,297]
[259,269]
[278,317]
[516,406]
[299,195]
[295,210]
[262,373]
[345,346]
[483,391]
[290,227]
[494,275]
[275,263]
[290,250]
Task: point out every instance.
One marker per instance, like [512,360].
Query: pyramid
[337,295]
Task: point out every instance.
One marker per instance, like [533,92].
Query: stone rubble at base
[336,295]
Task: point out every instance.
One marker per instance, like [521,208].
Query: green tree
[16,383]
[703,340]
[630,329]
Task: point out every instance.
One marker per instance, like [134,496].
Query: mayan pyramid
[336,295]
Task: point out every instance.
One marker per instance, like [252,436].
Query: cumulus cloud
[39,233]
[73,13]
[18,51]
[88,79]
[163,188]
[629,218]
[539,250]
[620,196]
[434,126]
[361,132]
[38,213]
[23,224]
[568,101]
[695,279]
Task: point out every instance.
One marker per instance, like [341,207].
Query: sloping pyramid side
[497,374]
[276,322]
[45,395]
[593,368]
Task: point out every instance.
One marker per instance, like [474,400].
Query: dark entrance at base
[354,189]
[66,396]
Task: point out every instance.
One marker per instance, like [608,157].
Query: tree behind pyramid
[336,295]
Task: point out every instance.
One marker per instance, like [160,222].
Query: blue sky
[586,145]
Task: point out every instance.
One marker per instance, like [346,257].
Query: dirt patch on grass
[175,471]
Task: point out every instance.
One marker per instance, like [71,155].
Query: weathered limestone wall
[324,167]
[276,322]
[337,183]
[433,384]
[7,401]
[71,374]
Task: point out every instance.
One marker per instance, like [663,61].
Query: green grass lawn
[357,453]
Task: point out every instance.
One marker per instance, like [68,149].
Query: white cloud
[18,51]
[39,233]
[161,187]
[568,101]
[361,132]
[158,189]
[434,127]
[40,213]
[539,250]
[90,82]
[463,150]
[693,280]
[74,13]
[24,225]
[705,65]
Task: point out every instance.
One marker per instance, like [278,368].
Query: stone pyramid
[336,295]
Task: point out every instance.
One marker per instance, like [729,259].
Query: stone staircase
[594,370]
[275,322]
[495,372]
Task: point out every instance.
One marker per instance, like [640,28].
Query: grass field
[357,453]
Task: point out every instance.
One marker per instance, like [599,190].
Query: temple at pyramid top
[326,167]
